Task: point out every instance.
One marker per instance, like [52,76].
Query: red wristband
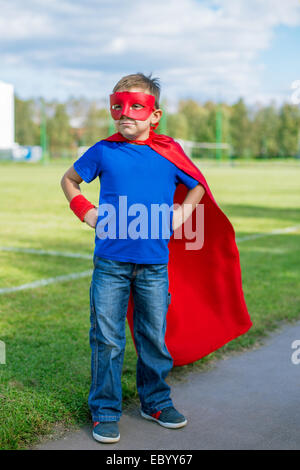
[80,206]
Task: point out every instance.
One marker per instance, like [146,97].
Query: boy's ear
[156,116]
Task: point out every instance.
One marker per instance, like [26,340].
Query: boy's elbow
[62,181]
[200,191]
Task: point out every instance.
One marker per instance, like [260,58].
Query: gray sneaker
[167,417]
[106,432]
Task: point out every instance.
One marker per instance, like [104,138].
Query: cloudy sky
[202,49]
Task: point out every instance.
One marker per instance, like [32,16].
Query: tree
[196,117]
[177,125]
[289,130]
[59,130]
[27,131]
[240,129]
[96,125]
[265,132]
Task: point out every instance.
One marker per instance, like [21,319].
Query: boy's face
[134,129]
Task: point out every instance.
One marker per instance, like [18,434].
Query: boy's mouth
[127,123]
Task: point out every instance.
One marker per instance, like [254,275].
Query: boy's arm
[182,213]
[70,184]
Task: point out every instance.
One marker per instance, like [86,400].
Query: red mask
[124,102]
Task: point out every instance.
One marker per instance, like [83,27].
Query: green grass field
[45,380]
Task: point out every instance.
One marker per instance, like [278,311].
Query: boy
[130,169]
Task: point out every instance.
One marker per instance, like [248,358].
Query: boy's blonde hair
[142,81]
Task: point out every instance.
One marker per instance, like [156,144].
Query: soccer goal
[206,150]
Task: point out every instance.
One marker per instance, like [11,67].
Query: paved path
[247,401]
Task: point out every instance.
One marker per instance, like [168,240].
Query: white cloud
[205,48]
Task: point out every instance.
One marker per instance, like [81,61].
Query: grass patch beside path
[45,382]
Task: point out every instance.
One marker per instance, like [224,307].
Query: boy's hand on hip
[91,217]
[177,218]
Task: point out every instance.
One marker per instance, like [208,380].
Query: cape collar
[153,139]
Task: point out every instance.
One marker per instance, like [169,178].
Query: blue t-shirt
[137,187]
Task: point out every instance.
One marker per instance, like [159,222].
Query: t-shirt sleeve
[88,166]
[182,177]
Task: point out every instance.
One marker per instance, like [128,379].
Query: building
[7,118]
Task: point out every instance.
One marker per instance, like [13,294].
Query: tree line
[260,131]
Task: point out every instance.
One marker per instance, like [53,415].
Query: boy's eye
[137,106]
[134,106]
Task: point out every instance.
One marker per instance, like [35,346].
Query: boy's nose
[125,110]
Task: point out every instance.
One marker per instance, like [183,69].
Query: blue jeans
[109,296]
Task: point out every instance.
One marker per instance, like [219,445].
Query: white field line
[45,252]
[266,234]
[67,277]
[86,256]
[46,282]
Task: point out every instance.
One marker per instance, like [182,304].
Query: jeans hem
[106,418]
[156,409]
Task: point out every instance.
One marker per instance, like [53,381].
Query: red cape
[207,308]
